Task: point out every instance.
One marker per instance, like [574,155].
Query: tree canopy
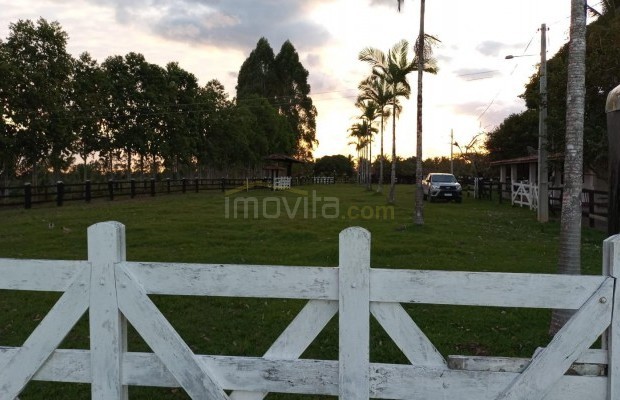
[512,137]
[283,81]
[128,116]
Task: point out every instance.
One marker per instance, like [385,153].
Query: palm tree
[569,261]
[424,62]
[393,68]
[362,133]
[370,112]
[376,89]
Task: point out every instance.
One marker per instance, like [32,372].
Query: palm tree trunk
[392,196]
[380,186]
[419,199]
[569,261]
[369,186]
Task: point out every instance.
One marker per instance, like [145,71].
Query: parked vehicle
[441,186]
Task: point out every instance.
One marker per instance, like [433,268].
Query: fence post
[132,188]
[590,208]
[223,185]
[111,189]
[183,185]
[611,267]
[152,187]
[87,191]
[197,184]
[168,185]
[354,317]
[27,195]
[60,193]
[108,327]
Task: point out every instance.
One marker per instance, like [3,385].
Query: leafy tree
[88,88]
[283,81]
[257,75]
[293,98]
[39,95]
[603,60]
[180,118]
[336,165]
[513,136]
[7,128]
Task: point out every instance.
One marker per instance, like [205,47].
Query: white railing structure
[116,291]
[323,180]
[525,194]
[282,183]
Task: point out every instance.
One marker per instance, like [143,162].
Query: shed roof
[526,159]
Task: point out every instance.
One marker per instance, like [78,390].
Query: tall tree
[88,95]
[424,62]
[376,89]
[569,261]
[394,68]
[257,75]
[8,152]
[180,118]
[39,97]
[370,112]
[283,81]
[293,98]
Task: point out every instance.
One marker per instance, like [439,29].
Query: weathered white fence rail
[116,292]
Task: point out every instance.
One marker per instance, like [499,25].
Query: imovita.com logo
[296,204]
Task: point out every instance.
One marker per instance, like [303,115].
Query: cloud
[494,114]
[490,48]
[231,23]
[470,74]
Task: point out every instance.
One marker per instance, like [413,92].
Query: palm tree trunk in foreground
[392,196]
[569,261]
[419,199]
[380,186]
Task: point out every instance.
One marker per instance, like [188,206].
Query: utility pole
[451,145]
[543,175]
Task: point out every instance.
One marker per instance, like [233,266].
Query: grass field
[476,235]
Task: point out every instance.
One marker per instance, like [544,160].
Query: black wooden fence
[60,193]
[27,195]
[594,203]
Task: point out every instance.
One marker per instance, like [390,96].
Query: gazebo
[279,165]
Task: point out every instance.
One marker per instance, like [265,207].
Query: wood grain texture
[549,365]
[157,332]
[39,275]
[108,327]
[46,337]
[406,334]
[482,288]
[296,338]
[354,313]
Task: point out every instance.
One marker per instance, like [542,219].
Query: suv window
[443,178]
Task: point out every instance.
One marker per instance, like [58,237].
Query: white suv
[441,186]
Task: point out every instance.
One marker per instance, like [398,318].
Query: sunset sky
[211,38]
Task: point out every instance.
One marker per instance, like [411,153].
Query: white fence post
[354,319]
[108,328]
[611,267]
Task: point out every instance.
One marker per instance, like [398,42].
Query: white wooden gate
[281,183]
[116,292]
[525,194]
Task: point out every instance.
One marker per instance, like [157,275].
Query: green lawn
[476,235]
